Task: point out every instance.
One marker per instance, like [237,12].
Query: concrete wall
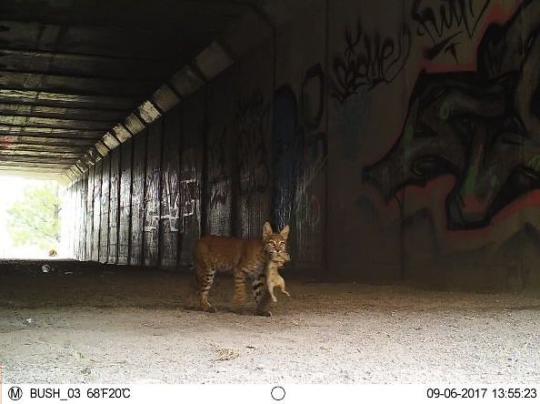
[397,139]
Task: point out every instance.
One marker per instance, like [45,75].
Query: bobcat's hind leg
[205,279]
[239,298]
[262,295]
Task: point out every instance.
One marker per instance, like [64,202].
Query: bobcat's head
[275,244]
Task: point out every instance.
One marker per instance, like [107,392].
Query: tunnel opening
[31,219]
[285,127]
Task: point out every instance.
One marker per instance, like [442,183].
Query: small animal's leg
[239,298]
[282,287]
[205,279]
[262,295]
[271,291]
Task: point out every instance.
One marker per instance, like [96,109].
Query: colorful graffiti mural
[480,127]
[406,140]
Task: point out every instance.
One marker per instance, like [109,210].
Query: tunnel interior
[397,140]
[394,154]
[392,151]
[159,119]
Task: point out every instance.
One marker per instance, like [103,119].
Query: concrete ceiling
[70,70]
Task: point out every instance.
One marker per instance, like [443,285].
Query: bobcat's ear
[285,232]
[267,230]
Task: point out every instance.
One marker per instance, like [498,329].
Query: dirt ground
[76,325]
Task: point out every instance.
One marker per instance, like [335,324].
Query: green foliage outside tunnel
[34,218]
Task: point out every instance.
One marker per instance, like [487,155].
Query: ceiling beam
[54,123]
[80,150]
[38,159]
[66,99]
[32,130]
[30,169]
[39,81]
[122,14]
[39,154]
[43,111]
[47,140]
[79,56]
[151,43]
[81,65]
[35,162]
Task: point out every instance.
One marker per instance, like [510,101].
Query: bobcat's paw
[238,309]
[208,309]
[238,303]
[264,313]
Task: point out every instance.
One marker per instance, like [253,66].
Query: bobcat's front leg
[262,296]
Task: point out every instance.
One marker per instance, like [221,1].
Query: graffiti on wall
[188,196]
[299,149]
[312,95]
[481,127]
[173,204]
[170,208]
[368,59]
[217,154]
[251,124]
[447,23]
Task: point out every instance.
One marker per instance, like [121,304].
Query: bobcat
[245,258]
[273,278]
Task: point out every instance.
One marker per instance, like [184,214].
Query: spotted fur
[246,259]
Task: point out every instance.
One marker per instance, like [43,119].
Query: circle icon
[15,393]
[278,393]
